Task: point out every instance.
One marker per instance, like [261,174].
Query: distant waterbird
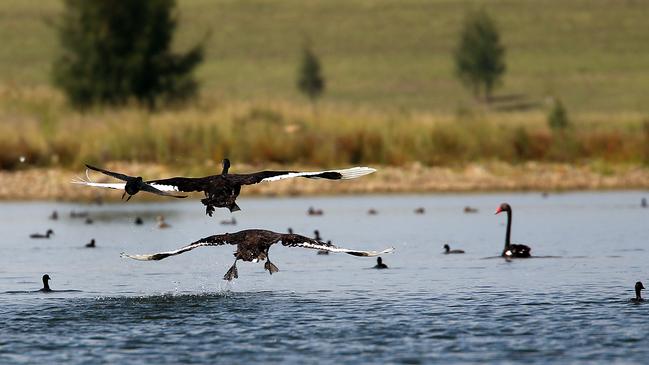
[447,250]
[39,235]
[420,210]
[469,210]
[253,246]
[512,250]
[316,236]
[46,285]
[230,222]
[313,211]
[162,224]
[91,244]
[54,216]
[380,264]
[638,297]
[221,191]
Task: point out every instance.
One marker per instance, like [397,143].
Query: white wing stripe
[164,187]
[345,250]
[351,173]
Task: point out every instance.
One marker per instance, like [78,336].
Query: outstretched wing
[116,175]
[159,190]
[184,184]
[257,177]
[155,190]
[296,240]
[216,240]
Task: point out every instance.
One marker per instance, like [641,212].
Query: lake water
[428,307]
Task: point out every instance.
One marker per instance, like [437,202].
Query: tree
[480,57]
[117,51]
[310,81]
[558,117]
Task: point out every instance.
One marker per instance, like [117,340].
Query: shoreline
[54,183]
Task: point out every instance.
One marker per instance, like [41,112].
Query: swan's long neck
[46,285]
[637,294]
[509,228]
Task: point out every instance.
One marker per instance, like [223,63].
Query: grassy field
[386,55]
[391,95]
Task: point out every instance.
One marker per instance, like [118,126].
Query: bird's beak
[498,210]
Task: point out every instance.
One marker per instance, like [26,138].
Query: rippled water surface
[570,304]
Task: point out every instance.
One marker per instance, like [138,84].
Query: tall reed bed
[37,125]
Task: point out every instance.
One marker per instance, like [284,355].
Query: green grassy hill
[593,54]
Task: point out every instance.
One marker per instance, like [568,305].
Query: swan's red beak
[498,210]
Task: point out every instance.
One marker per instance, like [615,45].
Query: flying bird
[253,245]
[221,191]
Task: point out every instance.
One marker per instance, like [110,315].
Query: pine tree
[480,57]
[117,51]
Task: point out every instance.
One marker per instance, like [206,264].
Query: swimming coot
[39,235]
[638,288]
[447,250]
[46,285]
[380,264]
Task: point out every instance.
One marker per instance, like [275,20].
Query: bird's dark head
[46,278]
[379,260]
[225,164]
[49,232]
[139,179]
[504,207]
[316,233]
[290,230]
[447,248]
[639,286]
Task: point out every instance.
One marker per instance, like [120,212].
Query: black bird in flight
[253,245]
[221,191]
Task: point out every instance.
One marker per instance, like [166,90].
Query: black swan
[253,245]
[221,191]
[372,211]
[91,244]
[420,210]
[511,250]
[46,285]
[380,264]
[447,250]
[39,235]
[638,297]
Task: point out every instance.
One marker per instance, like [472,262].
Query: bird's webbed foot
[233,273]
[270,267]
[209,209]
